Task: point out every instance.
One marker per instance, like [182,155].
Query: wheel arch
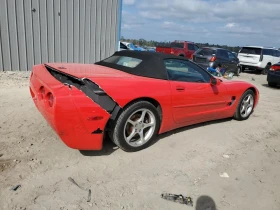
[256,94]
[154,102]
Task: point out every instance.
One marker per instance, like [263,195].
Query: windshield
[251,50]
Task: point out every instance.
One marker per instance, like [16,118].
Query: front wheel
[245,106]
[266,69]
[136,127]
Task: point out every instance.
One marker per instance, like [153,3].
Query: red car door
[194,99]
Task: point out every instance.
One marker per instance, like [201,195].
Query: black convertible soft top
[152,64]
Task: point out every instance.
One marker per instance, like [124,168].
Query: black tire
[117,133]
[237,115]
[272,84]
[238,71]
[266,69]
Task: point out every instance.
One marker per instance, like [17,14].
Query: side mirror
[215,81]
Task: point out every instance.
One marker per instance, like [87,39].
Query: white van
[258,58]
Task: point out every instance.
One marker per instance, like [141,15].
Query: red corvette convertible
[133,96]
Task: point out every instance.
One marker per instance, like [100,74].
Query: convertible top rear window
[123,61]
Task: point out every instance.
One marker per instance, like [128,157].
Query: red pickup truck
[179,48]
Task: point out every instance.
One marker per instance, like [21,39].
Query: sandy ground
[188,161]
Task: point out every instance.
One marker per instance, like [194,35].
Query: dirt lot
[188,161]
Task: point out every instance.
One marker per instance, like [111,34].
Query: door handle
[180,88]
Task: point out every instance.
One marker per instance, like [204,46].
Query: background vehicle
[122,46]
[258,58]
[179,48]
[273,75]
[151,49]
[133,96]
[131,46]
[140,48]
[212,57]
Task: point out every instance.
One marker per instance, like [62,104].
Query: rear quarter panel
[136,88]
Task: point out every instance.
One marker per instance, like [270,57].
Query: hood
[237,85]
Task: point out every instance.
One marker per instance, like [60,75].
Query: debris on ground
[177,198]
[89,195]
[1,155]
[226,156]
[75,183]
[15,188]
[224,175]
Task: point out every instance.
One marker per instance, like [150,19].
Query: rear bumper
[273,77]
[251,66]
[77,120]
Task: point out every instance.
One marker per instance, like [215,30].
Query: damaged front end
[80,109]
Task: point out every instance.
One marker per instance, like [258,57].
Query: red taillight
[213,59]
[50,99]
[274,68]
[41,92]
[192,57]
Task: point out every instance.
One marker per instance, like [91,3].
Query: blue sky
[230,22]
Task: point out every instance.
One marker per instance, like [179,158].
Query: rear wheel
[272,84]
[238,71]
[245,106]
[136,127]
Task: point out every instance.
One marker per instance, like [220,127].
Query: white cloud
[213,10]
[233,21]
[149,15]
[231,25]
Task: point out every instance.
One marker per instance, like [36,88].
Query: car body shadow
[251,72]
[186,128]
[109,147]
[276,87]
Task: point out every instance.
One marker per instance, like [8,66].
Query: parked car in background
[151,49]
[179,48]
[131,46]
[122,46]
[258,58]
[273,75]
[212,57]
[140,48]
